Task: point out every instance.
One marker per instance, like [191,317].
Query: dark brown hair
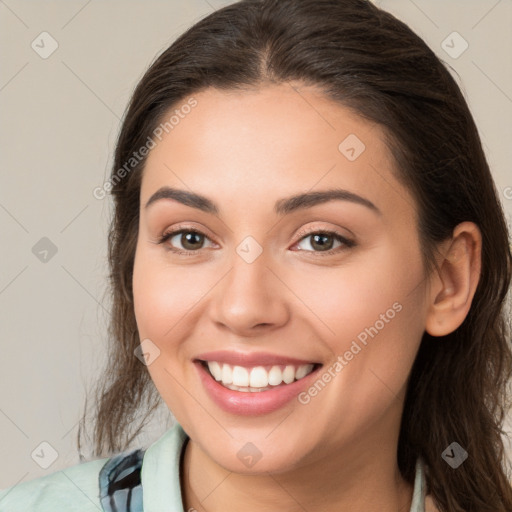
[367,60]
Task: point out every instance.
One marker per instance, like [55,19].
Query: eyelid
[174,230]
[346,242]
[180,228]
[314,230]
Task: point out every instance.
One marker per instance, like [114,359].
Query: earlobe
[454,283]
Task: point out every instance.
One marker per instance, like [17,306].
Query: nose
[251,298]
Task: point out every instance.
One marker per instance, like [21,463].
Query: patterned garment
[120,483]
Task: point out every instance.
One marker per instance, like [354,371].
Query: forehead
[270,142]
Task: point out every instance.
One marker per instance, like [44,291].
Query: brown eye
[323,242]
[190,240]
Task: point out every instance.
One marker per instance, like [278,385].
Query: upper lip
[250,358]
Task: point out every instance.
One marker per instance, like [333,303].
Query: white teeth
[227,374]
[246,389]
[240,376]
[303,370]
[258,378]
[215,369]
[289,374]
[275,376]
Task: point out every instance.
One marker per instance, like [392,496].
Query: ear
[453,285]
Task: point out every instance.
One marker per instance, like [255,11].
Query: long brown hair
[367,60]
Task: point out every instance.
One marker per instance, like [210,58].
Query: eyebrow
[281,207]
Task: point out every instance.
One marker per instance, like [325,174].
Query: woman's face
[255,282]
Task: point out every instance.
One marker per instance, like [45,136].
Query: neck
[369,482]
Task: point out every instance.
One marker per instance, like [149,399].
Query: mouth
[256,379]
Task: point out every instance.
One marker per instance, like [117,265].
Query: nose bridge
[250,268]
[250,293]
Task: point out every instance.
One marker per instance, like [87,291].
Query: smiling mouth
[256,378]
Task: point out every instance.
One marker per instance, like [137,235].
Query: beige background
[60,121]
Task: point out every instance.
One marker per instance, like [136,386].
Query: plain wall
[61,117]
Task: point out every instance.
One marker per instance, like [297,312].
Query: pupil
[187,238]
[322,244]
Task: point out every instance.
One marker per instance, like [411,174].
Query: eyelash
[304,234]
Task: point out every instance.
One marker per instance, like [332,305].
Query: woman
[309,258]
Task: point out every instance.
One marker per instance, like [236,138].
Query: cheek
[372,317]
[371,314]
[369,289]
[162,296]
[162,299]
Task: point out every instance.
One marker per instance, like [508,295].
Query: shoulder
[103,484]
[74,489]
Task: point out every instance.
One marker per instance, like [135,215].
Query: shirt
[132,481]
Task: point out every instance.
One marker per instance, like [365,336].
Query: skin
[246,150]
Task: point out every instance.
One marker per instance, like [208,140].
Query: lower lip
[252,403]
